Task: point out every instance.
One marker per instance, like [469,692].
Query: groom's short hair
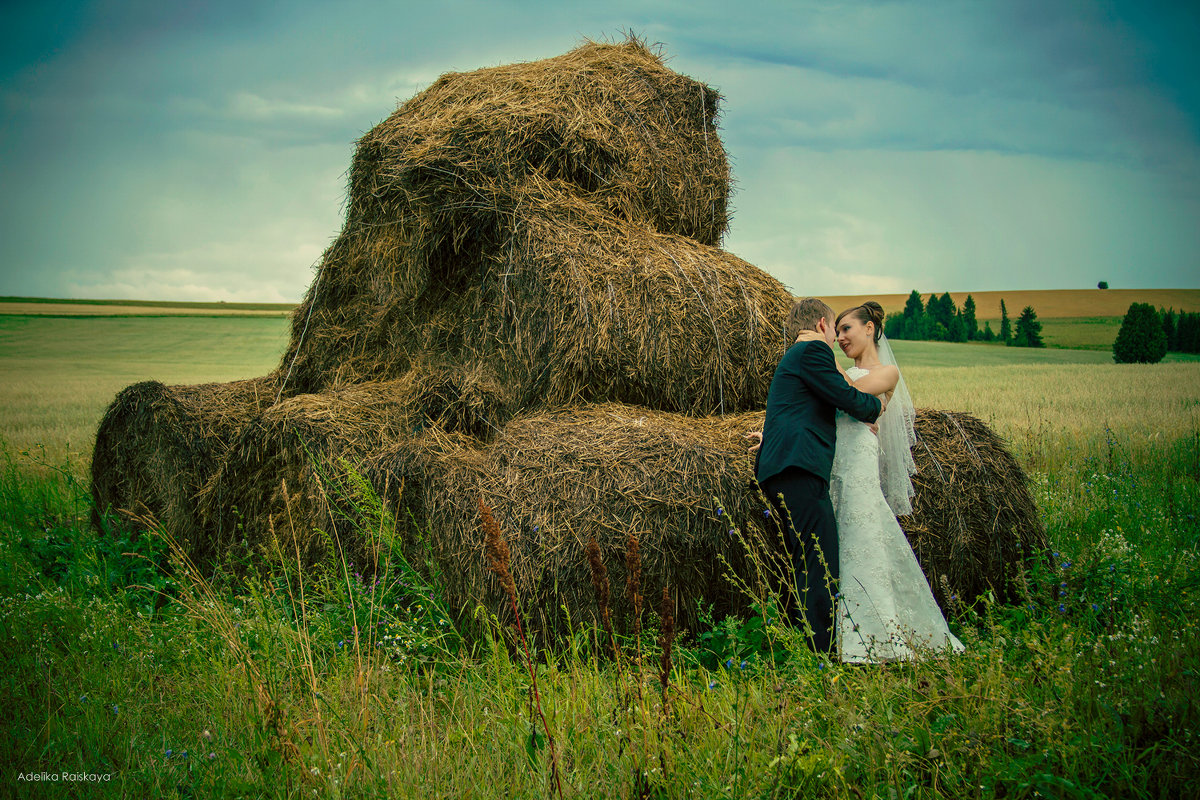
[805,315]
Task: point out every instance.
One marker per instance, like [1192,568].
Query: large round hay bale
[974,525]
[157,445]
[608,120]
[279,482]
[579,308]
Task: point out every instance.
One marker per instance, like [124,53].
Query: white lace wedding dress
[886,611]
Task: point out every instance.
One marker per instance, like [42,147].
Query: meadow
[126,664]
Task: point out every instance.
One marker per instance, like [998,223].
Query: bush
[1102,285]
[1141,339]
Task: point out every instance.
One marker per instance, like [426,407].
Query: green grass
[185,685]
[121,661]
[58,375]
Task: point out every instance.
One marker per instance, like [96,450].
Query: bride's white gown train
[886,611]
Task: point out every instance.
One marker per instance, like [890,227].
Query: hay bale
[610,120]
[580,307]
[974,525]
[274,485]
[157,445]
[559,478]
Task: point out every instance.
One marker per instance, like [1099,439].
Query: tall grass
[124,660]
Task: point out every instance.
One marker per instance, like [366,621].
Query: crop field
[122,660]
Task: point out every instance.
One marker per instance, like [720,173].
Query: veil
[896,438]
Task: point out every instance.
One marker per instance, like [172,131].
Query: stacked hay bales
[557,479]
[552,228]
[527,304]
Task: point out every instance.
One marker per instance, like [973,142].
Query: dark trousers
[811,537]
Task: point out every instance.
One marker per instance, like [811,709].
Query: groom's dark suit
[795,460]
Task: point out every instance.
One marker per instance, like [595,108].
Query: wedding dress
[886,611]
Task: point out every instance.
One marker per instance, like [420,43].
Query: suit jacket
[799,429]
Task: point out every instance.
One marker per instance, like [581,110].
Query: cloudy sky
[198,150]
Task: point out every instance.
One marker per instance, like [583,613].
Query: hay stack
[556,479]
[550,227]
[157,445]
[527,304]
[973,519]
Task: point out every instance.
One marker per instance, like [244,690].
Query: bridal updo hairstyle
[869,311]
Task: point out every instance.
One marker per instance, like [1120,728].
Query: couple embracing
[835,462]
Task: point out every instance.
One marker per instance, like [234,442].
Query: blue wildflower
[720,511]
[729,663]
[1062,609]
[766,512]
[1095,607]
[713,684]
[731,531]
[743,664]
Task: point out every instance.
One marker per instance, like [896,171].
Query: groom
[796,456]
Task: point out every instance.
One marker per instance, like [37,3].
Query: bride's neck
[868,358]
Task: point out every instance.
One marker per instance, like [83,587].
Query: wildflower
[731,531]
[766,512]
[821,665]
[1062,609]
[1095,607]
[743,664]
[953,598]
[720,511]
[211,756]
[713,684]
[729,663]
[207,735]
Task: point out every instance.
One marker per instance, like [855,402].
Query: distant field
[43,306]
[57,375]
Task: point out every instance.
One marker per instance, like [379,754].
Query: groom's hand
[756,437]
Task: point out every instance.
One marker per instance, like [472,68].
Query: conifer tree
[1028,330]
[1005,325]
[1141,339]
[970,324]
[1168,319]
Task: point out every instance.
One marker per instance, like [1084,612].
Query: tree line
[940,320]
[1146,334]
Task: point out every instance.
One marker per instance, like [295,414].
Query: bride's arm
[881,380]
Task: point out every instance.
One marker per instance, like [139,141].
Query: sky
[199,150]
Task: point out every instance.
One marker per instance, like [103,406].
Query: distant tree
[1140,339]
[1028,331]
[970,324]
[913,307]
[1102,285]
[958,330]
[1187,332]
[941,309]
[895,325]
[1005,325]
[988,335]
[1168,319]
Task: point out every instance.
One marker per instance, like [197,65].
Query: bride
[886,611]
